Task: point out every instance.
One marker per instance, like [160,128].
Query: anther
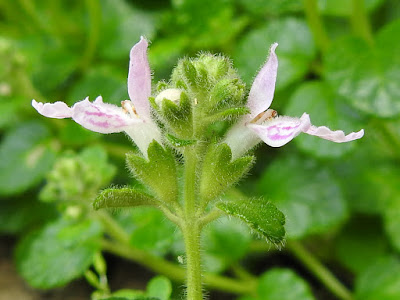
[265,116]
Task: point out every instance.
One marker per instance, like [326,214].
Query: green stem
[211,216]
[190,181]
[175,272]
[113,228]
[121,247]
[319,270]
[191,229]
[94,11]
[29,8]
[360,22]
[242,273]
[191,235]
[316,25]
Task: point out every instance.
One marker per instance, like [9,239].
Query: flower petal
[102,117]
[281,130]
[337,136]
[57,110]
[139,78]
[263,88]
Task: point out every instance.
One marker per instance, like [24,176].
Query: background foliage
[338,60]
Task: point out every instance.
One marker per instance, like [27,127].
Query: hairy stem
[176,272]
[319,270]
[360,22]
[191,229]
[94,11]
[316,25]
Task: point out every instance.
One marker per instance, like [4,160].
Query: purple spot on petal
[276,132]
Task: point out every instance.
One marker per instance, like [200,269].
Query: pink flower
[264,124]
[133,117]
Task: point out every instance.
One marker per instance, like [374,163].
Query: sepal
[220,172]
[262,216]
[230,113]
[177,143]
[158,172]
[226,93]
[124,197]
[178,115]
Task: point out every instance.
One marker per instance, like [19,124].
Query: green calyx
[219,172]
[158,172]
[175,109]
[202,91]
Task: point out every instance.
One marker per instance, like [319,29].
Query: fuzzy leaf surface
[158,172]
[25,157]
[380,281]
[262,216]
[295,51]
[220,172]
[57,253]
[367,76]
[306,193]
[124,197]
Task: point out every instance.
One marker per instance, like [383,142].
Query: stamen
[265,116]
[128,107]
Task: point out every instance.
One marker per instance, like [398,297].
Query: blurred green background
[339,61]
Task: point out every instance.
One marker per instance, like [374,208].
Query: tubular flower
[264,124]
[133,117]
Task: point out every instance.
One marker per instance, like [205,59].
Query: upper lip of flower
[107,118]
[276,130]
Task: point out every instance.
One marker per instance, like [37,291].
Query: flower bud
[173,95]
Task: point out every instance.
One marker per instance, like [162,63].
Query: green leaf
[109,82]
[325,109]
[380,281]
[121,28]
[206,20]
[364,178]
[56,64]
[359,241]
[58,253]
[225,242]
[158,172]
[19,215]
[283,284]
[367,76]
[160,288]
[220,172]
[306,193]
[152,231]
[295,51]
[73,134]
[25,157]
[262,216]
[123,197]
